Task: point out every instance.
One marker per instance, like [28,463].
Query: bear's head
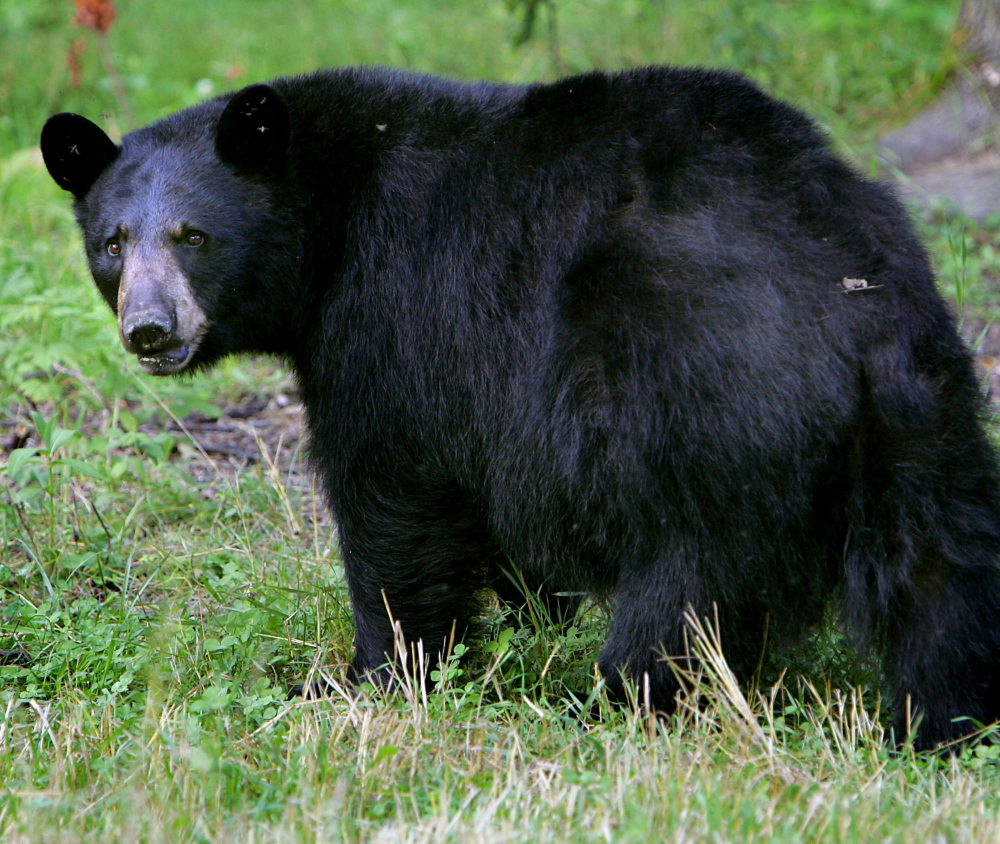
[178,221]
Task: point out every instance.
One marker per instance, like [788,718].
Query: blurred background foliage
[858,65]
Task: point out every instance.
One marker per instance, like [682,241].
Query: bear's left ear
[76,151]
[254,129]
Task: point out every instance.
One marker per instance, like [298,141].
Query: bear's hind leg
[943,655]
[936,614]
[922,568]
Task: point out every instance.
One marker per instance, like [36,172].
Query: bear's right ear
[254,130]
[76,151]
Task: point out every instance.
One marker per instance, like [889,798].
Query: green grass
[167,606]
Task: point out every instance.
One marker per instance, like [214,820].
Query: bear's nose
[149,333]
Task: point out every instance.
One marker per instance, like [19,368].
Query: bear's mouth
[166,362]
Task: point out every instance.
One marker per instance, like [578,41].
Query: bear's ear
[254,129]
[76,151]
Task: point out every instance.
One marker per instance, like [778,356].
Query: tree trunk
[979,30]
[951,150]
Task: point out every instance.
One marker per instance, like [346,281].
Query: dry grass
[458,764]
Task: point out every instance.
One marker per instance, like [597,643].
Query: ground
[949,151]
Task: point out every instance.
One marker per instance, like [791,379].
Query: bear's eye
[194,239]
[114,248]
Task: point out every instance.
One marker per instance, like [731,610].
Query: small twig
[79,376]
[557,57]
[16,656]
[116,80]
[21,394]
[227,450]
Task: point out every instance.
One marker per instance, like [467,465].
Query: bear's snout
[159,319]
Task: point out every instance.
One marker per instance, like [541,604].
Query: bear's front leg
[419,560]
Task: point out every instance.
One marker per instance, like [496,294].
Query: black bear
[641,336]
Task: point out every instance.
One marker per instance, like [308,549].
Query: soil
[949,154]
[267,430]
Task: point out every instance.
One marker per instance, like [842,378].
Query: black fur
[598,330]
